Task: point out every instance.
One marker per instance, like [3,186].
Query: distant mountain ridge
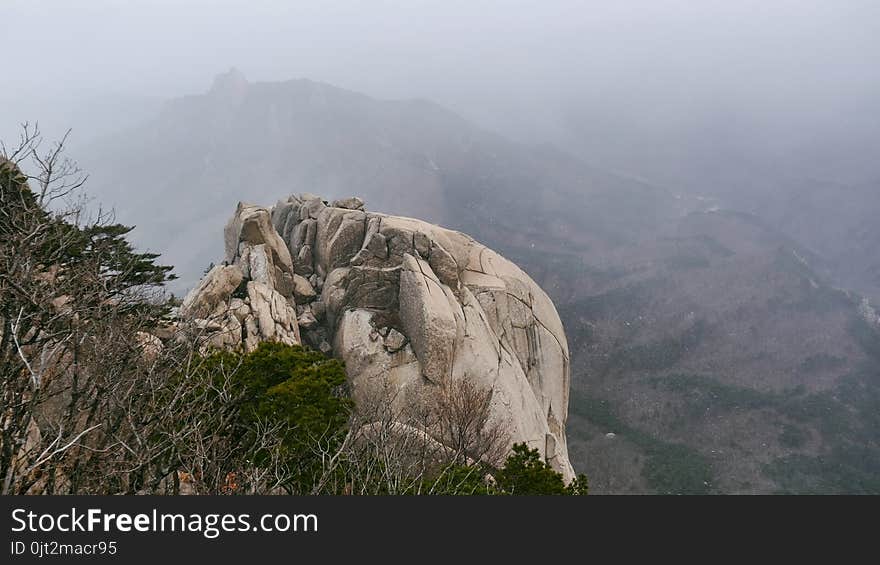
[408,157]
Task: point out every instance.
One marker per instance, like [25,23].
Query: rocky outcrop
[401,301]
[250,298]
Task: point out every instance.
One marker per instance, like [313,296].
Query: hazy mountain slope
[179,174]
[704,340]
[722,363]
[816,178]
[711,349]
[202,154]
[839,221]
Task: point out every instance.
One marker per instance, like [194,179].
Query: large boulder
[213,290]
[252,225]
[427,318]
[250,298]
[406,304]
[339,237]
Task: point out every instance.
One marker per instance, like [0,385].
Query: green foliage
[526,473]
[299,386]
[96,253]
[660,355]
[701,392]
[846,416]
[580,486]
[523,473]
[674,468]
[792,437]
[596,410]
[845,469]
[289,388]
[670,468]
[458,480]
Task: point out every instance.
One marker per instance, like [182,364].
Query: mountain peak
[232,82]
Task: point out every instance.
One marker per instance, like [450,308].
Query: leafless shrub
[407,447]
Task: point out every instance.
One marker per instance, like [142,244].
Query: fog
[787,69]
[737,101]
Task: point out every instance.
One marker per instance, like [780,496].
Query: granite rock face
[249,298]
[401,301]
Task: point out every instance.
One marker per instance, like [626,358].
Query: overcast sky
[510,64]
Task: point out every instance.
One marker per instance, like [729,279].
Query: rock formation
[401,301]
